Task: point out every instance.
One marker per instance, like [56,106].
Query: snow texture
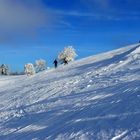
[95,98]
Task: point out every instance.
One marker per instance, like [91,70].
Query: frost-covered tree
[29,69]
[4,69]
[67,55]
[40,65]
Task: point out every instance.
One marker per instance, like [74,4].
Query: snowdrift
[95,98]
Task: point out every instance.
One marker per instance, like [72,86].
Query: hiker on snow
[55,63]
[65,61]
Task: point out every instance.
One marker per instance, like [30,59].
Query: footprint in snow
[90,81]
[88,86]
[72,82]
[88,73]
[75,82]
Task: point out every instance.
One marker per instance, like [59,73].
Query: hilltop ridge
[93,98]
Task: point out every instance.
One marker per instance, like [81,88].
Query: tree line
[64,57]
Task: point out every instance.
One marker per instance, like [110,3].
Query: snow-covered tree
[67,55]
[40,65]
[29,69]
[4,69]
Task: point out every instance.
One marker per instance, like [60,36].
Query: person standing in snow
[65,61]
[55,63]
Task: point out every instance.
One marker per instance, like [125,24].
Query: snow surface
[95,98]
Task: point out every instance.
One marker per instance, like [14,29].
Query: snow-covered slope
[95,98]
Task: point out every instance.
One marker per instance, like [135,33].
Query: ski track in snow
[120,136]
[95,98]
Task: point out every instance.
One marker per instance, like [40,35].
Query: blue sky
[35,29]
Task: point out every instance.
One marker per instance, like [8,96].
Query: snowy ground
[96,98]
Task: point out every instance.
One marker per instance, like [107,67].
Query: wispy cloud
[103,10]
[22,18]
[99,4]
[100,16]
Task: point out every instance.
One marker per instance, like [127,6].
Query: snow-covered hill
[96,98]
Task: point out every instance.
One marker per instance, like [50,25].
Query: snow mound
[95,98]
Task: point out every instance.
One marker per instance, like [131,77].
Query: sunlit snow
[95,98]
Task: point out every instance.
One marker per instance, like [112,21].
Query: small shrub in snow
[40,65]
[29,69]
[67,55]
